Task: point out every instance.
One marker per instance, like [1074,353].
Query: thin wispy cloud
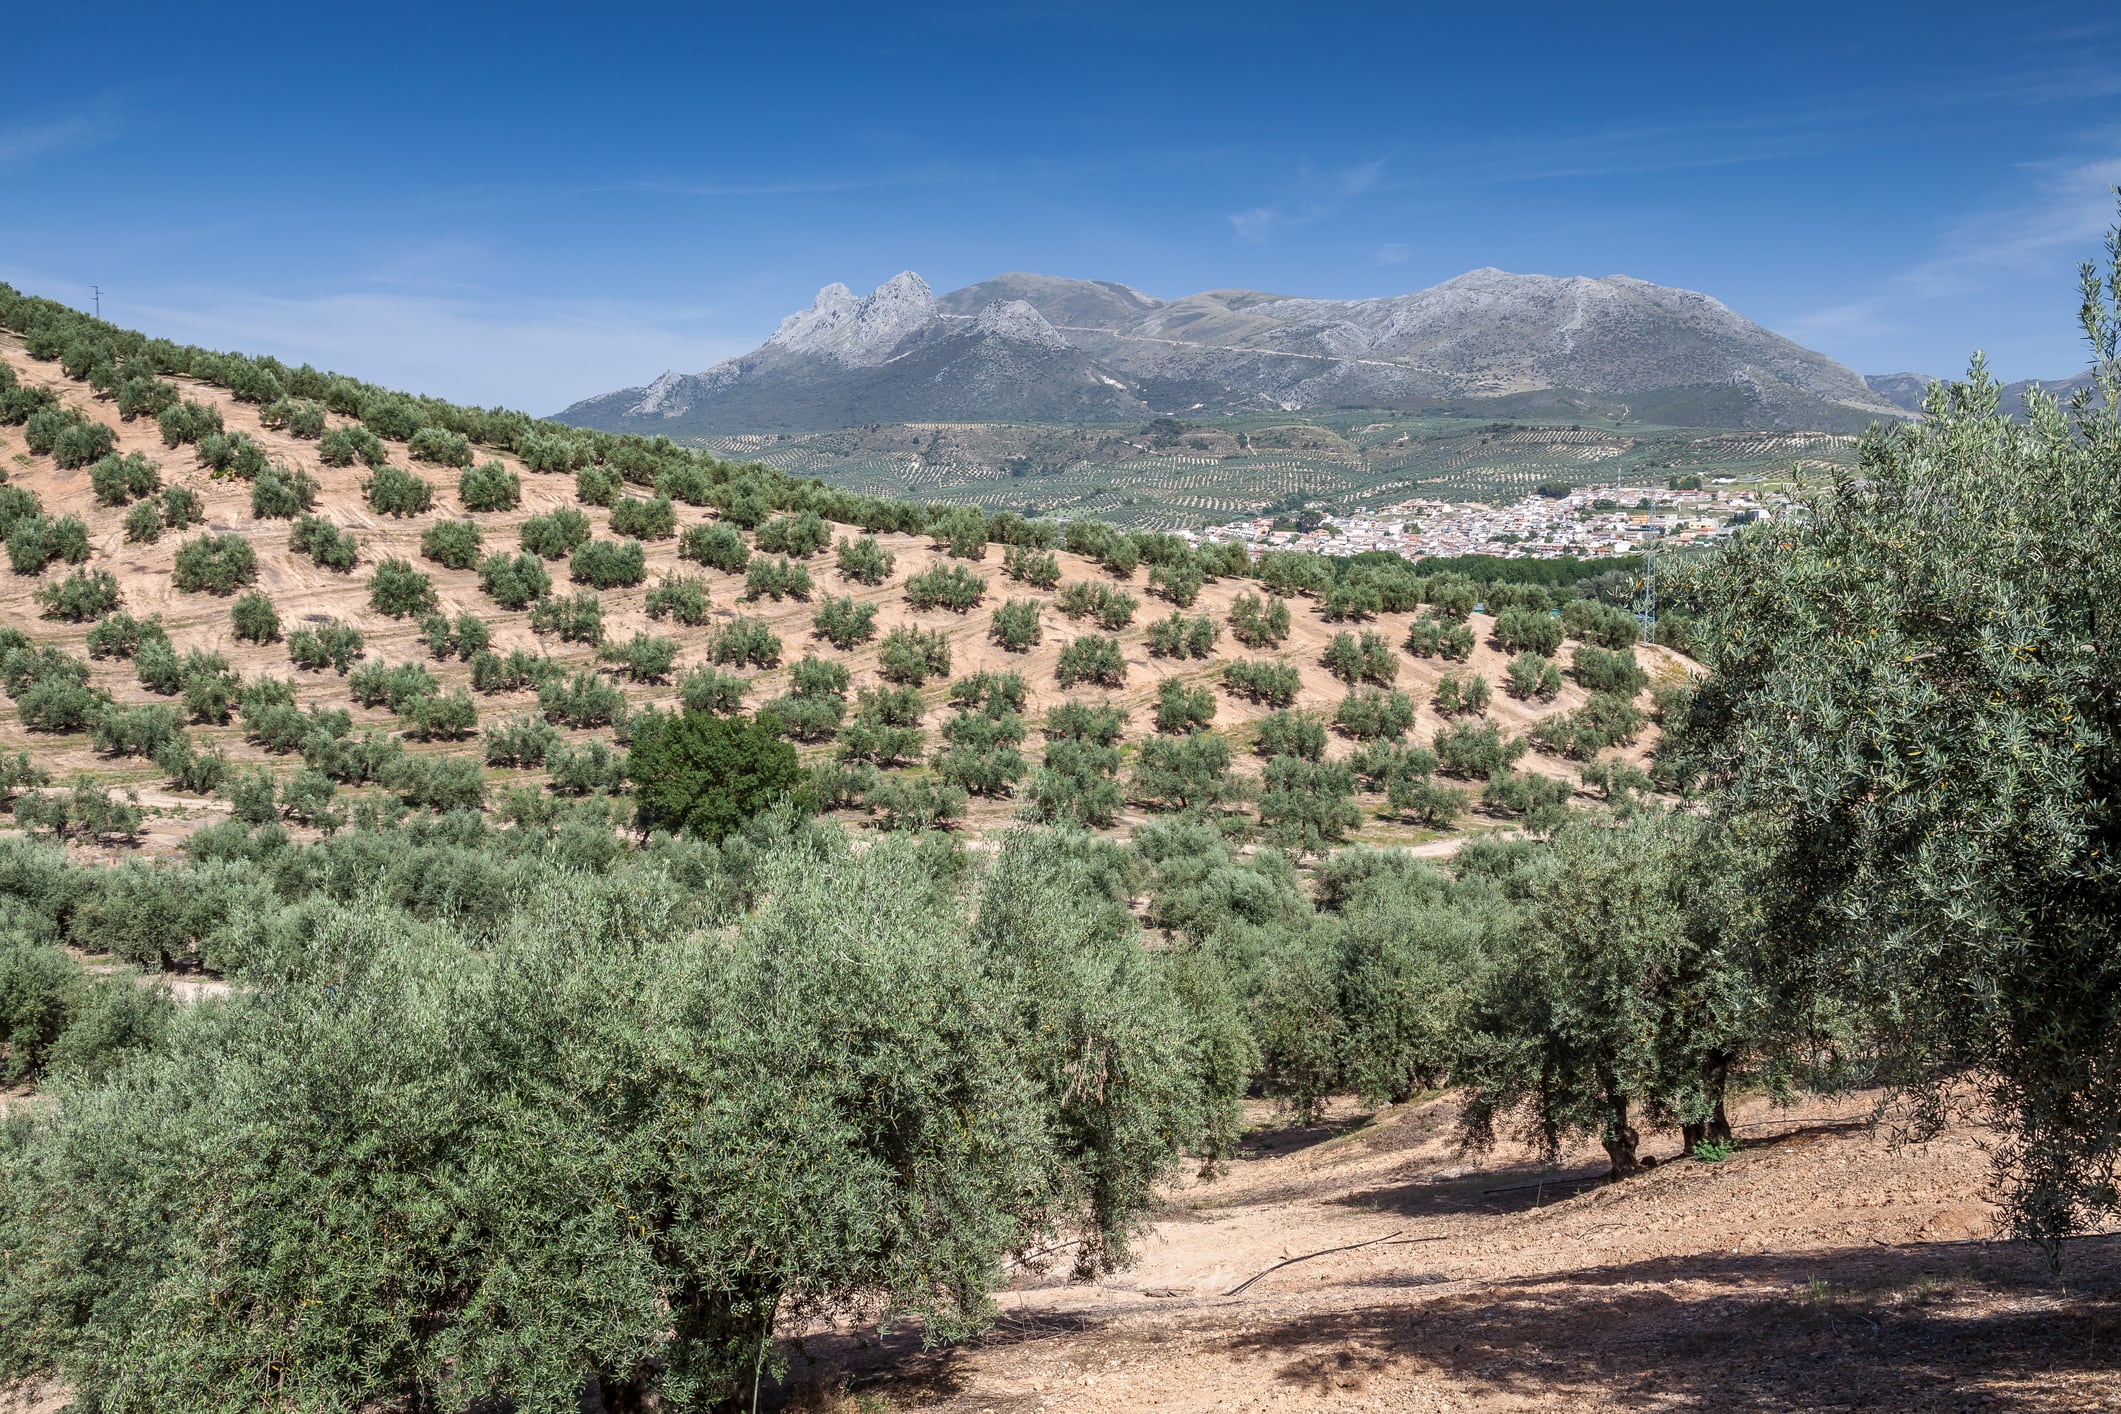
[1317,195]
[1394,253]
[27,142]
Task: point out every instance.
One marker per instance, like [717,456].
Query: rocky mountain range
[1906,390]
[1037,348]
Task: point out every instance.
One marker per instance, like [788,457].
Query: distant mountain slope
[1905,390]
[1038,348]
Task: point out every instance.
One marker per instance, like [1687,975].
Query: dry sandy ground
[1817,1268]
[302,592]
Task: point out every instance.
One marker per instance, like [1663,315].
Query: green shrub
[644,519]
[881,745]
[391,491]
[1542,802]
[1272,684]
[441,716]
[1453,596]
[1382,762]
[1532,677]
[1304,805]
[1092,658]
[1426,802]
[143,523]
[439,446]
[703,775]
[519,670]
[1076,784]
[596,486]
[1601,625]
[705,690]
[489,486]
[715,545]
[891,706]
[952,587]
[1602,670]
[1475,750]
[1184,772]
[913,656]
[279,494]
[1178,581]
[1096,723]
[745,641]
[1523,630]
[300,416]
[398,590]
[1291,734]
[254,619]
[231,454]
[643,658]
[139,397]
[81,596]
[1112,608]
[1460,694]
[991,693]
[17,503]
[135,731]
[83,443]
[328,546]
[119,481]
[215,564]
[1037,568]
[1432,637]
[343,446]
[514,581]
[844,623]
[1016,626]
[589,769]
[1367,659]
[1181,709]
[465,639]
[454,544]
[577,618]
[1604,721]
[396,687]
[521,741]
[863,560]
[1371,714]
[608,564]
[120,635]
[439,783]
[1181,637]
[807,719]
[556,534]
[800,535]
[776,579]
[35,542]
[330,645]
[682,597]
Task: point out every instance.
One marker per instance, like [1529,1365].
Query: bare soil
[1819,1267]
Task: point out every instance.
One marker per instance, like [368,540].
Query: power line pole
[99,300]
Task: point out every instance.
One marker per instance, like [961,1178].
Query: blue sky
[528,205]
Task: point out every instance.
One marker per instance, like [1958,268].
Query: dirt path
[1817,1268]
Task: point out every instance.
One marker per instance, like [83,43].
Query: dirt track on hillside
[1819,1267]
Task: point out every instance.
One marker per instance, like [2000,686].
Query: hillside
[1035,348]
[304,594]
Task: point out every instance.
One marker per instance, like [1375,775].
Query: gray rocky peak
[1016,321]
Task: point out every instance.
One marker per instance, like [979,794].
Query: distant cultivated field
[1220,471]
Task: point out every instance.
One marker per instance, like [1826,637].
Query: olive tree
[1912,713]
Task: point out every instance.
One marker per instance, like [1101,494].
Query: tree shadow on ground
[1944,1326]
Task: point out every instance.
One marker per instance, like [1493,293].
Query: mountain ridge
[1041,348]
